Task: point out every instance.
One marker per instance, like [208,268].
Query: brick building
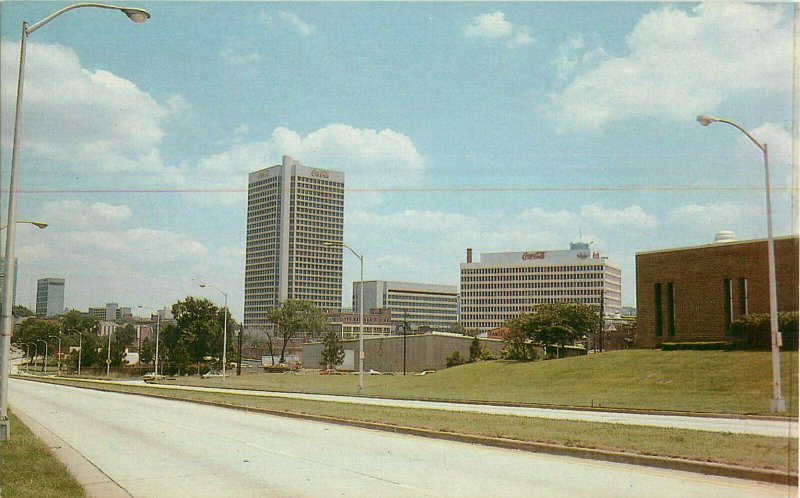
[694,293]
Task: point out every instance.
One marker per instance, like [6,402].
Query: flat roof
[716,244]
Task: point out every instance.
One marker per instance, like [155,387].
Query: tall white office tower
[292,211]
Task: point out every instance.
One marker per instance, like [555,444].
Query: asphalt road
[160,448]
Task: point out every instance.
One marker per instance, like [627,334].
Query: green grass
[762,452]
[27,468]
[734,382]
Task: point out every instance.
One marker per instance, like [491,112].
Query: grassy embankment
[27,468]
[733,382]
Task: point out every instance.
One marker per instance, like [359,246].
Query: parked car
[150,377]
[331,371]
[425,372]
[212,374]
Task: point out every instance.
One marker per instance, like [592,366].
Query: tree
[332,351]
[454,359]
[198,331]
[474,350]
[21,311]
[126,335]
[294,318]
[554,323]
[517,343]
[147,351]
[457,328]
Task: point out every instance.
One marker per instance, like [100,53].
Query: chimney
[469,255]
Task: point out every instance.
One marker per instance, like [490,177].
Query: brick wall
[696,278]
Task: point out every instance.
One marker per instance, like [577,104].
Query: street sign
[108,362]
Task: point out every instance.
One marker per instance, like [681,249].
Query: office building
[413,305]
[693,294]
[503,285]
[50,296]
[292,211]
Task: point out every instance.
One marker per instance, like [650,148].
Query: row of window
[533,269]
[528,278]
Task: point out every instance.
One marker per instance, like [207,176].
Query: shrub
[454,359]
[754,330]
[695,346]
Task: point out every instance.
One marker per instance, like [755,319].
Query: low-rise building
[412,305]
[692,294]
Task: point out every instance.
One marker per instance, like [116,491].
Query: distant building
[691,294]
[417,305]
[50,297]
[111,312]
[106,327]
[347,324]
[503,285]
[292,211]
[2,279]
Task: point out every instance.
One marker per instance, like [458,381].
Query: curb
[677,464]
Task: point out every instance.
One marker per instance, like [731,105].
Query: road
[761,427]
[161,448]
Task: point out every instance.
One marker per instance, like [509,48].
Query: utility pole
[602,321]
[405,335]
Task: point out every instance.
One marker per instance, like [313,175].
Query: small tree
[517,345]
[295,318]
[332,351]
[454,359]
[474,350]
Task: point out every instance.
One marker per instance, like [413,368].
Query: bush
[695,346]
[754,330]
[454,359]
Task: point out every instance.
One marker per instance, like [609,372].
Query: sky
[493,126]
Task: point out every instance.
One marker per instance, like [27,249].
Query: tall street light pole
[59,351]
[777,402]
[44,358]
[80,347]
[7,326]
[35,353]
[360,314]
[158,329]
[224,330]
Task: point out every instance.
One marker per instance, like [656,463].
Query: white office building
[292,210]
[503,285]
[413,305]
[50,296]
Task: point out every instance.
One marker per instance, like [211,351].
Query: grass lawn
[761,452]
[735,382]
[27,468]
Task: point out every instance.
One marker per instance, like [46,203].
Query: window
[743,296]
[727,290]
[657,302]
[670,309]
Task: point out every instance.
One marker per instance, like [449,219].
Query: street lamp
[27,353]
[59,351]
[41,225]
[80,347]
[777,402]
[44,359]
[35,353]
[360,313]
[158,329]
[224,331]
[7,325]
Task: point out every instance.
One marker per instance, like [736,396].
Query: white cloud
[682,63]
[237,57]
[629,217]
[370,158]
[708,219]
[573,56]
[284,18]
[74,213]
[80,116]
[494,26]
[489,26]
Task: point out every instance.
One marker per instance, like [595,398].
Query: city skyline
[498,127]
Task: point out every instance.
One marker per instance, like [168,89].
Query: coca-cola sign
[320,174]
[533,255]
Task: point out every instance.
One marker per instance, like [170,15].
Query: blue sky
[496,126]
